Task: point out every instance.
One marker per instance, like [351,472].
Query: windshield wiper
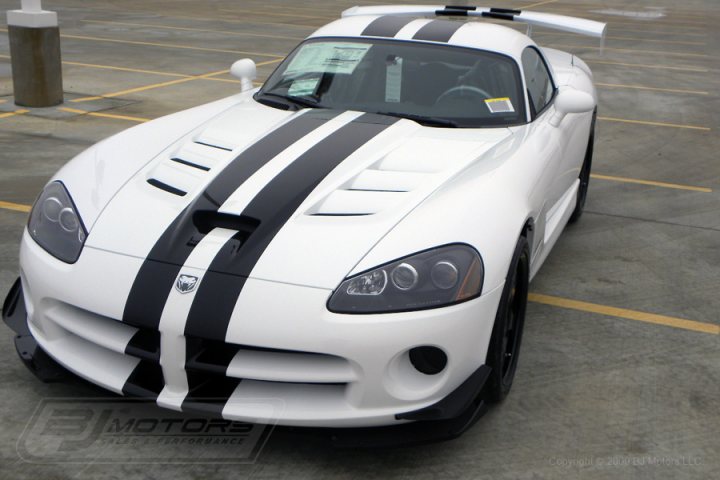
[297,102]
[423,120]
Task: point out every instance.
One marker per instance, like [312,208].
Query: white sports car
[348,246]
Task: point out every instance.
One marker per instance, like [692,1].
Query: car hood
[309,192]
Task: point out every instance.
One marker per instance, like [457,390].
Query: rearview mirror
[246,71]
[570,100]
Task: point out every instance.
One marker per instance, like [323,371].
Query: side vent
[168,188]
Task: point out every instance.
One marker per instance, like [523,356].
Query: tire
[584,176]
[504,348]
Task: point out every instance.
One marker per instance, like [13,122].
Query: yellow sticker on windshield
[500,105]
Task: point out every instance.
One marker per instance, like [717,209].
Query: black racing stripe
[221,286]
[387,26]
[438,31]
[158,272]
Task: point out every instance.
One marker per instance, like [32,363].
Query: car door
[546,143]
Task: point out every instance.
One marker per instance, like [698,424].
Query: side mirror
[570,100]
[246,71]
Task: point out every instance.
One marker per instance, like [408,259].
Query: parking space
[621,354]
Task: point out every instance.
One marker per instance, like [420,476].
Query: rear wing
[548,20]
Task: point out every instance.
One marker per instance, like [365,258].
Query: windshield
[437,85]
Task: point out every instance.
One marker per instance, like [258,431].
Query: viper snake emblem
[186,283]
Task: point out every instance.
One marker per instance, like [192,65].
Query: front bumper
[289,362]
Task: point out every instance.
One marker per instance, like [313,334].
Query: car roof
[472,34]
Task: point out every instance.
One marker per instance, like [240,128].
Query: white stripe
[174,317]
[241,198]
[409,30]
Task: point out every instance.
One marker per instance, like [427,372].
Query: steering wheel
[461,91]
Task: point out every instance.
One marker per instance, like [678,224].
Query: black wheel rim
[585,176]
[514,315]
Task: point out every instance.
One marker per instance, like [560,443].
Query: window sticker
[304,86]
[393,79]
[328,58]
[500,105]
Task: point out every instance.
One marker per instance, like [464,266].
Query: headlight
[433,278]
[55,224]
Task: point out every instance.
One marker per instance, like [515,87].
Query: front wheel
[504,347]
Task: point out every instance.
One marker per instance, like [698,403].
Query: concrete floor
[597,395]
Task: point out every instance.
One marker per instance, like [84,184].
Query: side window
[539,84]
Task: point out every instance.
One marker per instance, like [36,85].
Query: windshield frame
[462,123]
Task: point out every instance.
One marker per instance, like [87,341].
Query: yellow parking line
[148,72]
[242,22]
[134,90]
[15,206]
[167,45]
[265,13]
[122,69]
[104,115]
[190,78]
[631,50]
[125,69]
[652,183]
[148,87]
[533,5]
[12,114]
[140,70]
[625,314]
[654,89]
[655,124]
[167,27]
[653,66]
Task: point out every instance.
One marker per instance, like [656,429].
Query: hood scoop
[397,177]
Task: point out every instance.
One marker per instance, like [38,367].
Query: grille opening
[206,220]
[208,396]
[168,188]
[213,358]
[146,381]
[190,164]
[145,344]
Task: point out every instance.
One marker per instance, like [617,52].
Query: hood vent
[370,192]
[190,164]
[227,149]
[185,169]
[168,188]
[404,175]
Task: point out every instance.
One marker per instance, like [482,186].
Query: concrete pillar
[35,55]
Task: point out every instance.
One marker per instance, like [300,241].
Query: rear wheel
[504,347]
[584,177]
